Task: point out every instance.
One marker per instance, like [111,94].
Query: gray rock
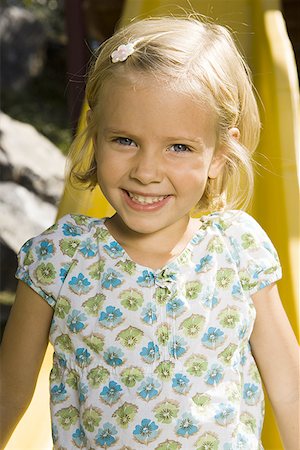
[31,160]
[23,215]
[23,40]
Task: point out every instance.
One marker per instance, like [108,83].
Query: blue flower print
[111,317]
[114,250]
[225,414]
[177,347]
[214,375]
[82,391]
[186,425]
[83,357]
[150,353]
[243,330]
[80,285]
[113,356]
[175,307]
[76,321]
[105,437]
[181,383]
[64,271]
[79,438]
[27,246]
[58,393]
[237,290]
[210,299]
[111,393]
[149,388]
[213,338]
[88,248]
[71,230]
[251,393]
[205,264]
[243,443]
[147,279]
[111,279]
[44,250]
[146,432]
[54,433]
[149,313]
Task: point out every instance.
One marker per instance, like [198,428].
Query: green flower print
[270,270]
[249,421]
[91,418]
[72,379]
[215,245]
[127,266]
[131,376]
[131,299]
[163,334]
[226,355]
[185,257]
[246,280]
[162,295]
[169,445]
[164,370]
[51,229]
[193,325]
[55,373]
[64,342]
[254,373]
[29,258]
[130,337]
[192,289]
[201,400]
[69,246]
[208,441]
[101,234]
[62,307]
[233,392]
[45,273]
[125,414]
[248,241]
[95,342]
[196,365]
[67,417]
[93,305]
[80,219]
[224,278]
[166,411]
[97,376]
[229,317]
[96,269]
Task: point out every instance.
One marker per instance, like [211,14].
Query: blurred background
[45,50]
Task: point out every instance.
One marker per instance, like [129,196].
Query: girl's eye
[180,148]
[124,141]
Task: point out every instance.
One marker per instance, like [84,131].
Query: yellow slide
[261,32]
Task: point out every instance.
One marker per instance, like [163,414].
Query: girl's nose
[147,167]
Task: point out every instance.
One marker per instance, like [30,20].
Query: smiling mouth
[145,200]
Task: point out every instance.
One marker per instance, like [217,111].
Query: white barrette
[122,53]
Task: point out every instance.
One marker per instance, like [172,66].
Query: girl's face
[155,149]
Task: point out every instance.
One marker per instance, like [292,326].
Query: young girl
[151,310]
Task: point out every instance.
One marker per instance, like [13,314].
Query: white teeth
[146,200]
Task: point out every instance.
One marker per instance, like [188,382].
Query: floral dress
[156,359]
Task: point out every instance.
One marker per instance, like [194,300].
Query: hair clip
[122,52]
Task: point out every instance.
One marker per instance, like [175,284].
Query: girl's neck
[153,250]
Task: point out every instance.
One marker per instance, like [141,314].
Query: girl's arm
[275,350]
[22,351]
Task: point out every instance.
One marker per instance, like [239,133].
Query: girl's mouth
[145,202]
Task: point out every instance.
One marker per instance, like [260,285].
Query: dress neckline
[173,263]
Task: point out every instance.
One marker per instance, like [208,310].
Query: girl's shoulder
[233,222]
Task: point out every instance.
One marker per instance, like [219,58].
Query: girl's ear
[219,159]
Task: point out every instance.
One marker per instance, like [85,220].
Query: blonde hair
[192,56]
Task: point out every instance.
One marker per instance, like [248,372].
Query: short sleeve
[45,260]
[251,248]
